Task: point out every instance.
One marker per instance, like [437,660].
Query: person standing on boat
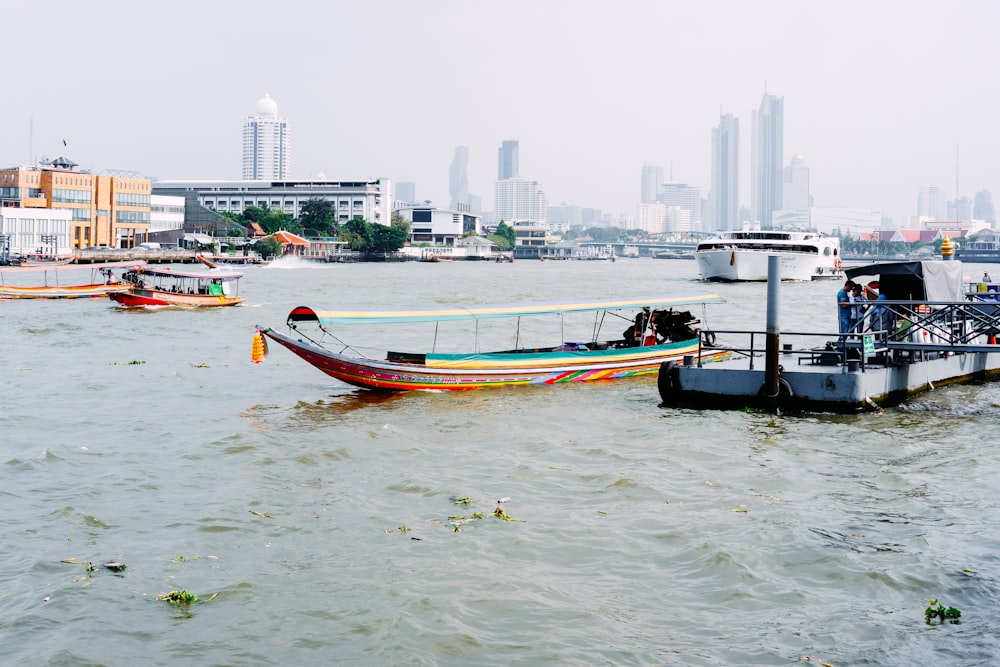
[857,308]
[844,307]
[986,277]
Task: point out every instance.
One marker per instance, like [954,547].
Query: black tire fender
[668,382]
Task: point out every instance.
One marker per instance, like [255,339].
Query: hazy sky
[879,96]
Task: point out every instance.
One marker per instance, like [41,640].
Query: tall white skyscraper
[795,190]
[265,143]
[724,197]
[767,159]
[458,179]
[521,200]
[931,203]
[652,184]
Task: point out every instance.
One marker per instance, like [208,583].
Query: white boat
[741,255]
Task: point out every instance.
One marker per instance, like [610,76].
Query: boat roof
[76,267]
[476,312]
[199,275]
[930,280]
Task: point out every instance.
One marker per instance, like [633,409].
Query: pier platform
[821,380]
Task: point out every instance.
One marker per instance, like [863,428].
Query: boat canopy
[187,274]
[450,313]
[928,280]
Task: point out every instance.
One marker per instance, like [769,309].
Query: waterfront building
[767,159]
[458,179]
[27,231]
[724,197]
[520,200]
[370,200]
[438,226]
[507,164]
[265,143]
[795,190]
[652,184]
[105,210]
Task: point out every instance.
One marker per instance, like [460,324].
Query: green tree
[388,239]
[361,234]
[399,222]
[505,236]
[319,217]
[268,247]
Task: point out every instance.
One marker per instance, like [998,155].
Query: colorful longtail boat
[159,287]
[657,332]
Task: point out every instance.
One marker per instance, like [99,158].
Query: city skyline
[602,96]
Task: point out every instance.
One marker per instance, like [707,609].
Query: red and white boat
[149,287]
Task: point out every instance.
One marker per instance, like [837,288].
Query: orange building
[107,211]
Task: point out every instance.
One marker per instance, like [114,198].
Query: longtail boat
[152,287]
[102,281]
[38,261]
[657,333]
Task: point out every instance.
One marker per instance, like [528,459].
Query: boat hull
[138,297]
[460,372]
[53,292]
[750,265]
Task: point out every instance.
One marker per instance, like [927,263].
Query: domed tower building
[265,143]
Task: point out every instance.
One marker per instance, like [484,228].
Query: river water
[317,522]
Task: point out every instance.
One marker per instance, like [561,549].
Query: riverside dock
[939,334]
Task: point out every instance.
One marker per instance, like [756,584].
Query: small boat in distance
[742,255]
[149,287]
[37,261]
[656,334]
[102,281]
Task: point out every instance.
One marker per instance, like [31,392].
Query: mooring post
[773,331]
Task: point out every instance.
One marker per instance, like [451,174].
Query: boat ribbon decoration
[258,350]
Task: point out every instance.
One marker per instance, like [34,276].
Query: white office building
[439,226]
[520,200]
[370,200]
[686,197]
[931,203]
[265,143]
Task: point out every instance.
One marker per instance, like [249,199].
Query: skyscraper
[931,203]
[795,190]
[685,197]
[458,179]
[767,159]
[265,143]
[724,197]
[982,208]
[507,163]
[652,184]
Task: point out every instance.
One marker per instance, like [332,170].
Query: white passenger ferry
[742,255]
